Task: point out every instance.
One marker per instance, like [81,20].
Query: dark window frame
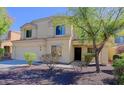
[60,30]
[28,33]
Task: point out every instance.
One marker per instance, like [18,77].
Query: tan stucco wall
[28,27]
[41,47]
[7,43]
[42,29]
[64,43]
[104,55]
[8,38]
[14,36]
[11,36]
[84,50]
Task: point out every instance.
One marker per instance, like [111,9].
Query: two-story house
[7,42]
[40,37]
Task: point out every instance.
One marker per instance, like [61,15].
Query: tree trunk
[97,62]
[96,56]
[0,43]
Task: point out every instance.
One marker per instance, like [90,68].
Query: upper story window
[60,30]
[119,40]
[28,33]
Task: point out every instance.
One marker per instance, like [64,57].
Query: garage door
[19,53]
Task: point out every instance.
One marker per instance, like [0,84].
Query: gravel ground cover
[65,75]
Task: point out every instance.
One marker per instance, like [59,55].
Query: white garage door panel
[21,50]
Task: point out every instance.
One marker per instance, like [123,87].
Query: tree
[96,25]
[5,22]
[53,58]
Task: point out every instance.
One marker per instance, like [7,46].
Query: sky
[22,15]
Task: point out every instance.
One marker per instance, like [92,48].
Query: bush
[1,53]
[30,57]
[116,57]
[122,55]
[118,65]
[121,79]
[50,60]
[88,57]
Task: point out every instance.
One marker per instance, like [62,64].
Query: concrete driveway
[9,64]
[13,62]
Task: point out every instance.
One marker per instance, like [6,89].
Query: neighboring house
[41,37]
[118,46]
[7,42]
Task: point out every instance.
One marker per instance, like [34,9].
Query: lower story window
[56,50]
[90,50]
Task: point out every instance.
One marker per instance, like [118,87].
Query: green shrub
[118,65]
[122,55]
[88,57]
[117,56]
[121,79]
[1,53]
[30,57]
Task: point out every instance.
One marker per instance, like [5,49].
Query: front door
[77,54]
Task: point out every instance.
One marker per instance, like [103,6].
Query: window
[119,39]
[60,30]
[90,50]
[56,50]
[28,33]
